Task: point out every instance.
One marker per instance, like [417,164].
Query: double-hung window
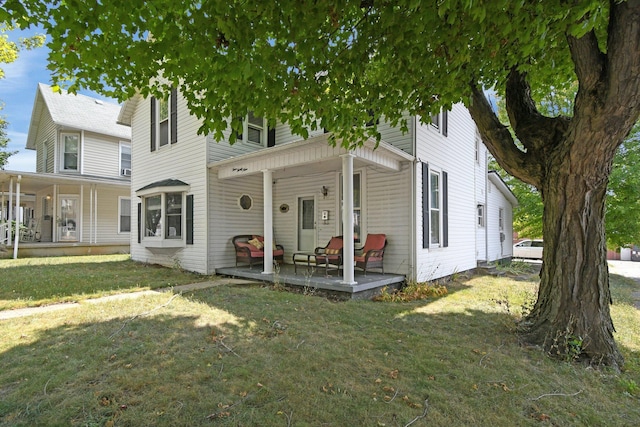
[256,132]
[70,148]
[164,120]
[124,215]
[440,122]
[435,208]
[125,159]
[481,219]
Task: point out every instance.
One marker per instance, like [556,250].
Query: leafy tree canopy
[329,60]
[329,63]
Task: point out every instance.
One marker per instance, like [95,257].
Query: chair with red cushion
[372,253]
[330,254]
[246,252]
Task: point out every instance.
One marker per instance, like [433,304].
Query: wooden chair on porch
[330,255]
[372,253]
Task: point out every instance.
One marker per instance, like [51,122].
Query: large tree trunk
[571,318]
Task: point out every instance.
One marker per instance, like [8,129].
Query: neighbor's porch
[314,280]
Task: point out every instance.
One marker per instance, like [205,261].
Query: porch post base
[343,282]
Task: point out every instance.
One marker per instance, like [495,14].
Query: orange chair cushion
[361,258]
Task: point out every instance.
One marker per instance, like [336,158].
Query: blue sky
[17,92]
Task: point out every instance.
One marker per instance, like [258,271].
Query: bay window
[164,215]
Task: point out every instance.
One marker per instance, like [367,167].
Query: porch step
[489,269]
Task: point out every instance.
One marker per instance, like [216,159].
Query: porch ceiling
[31,182]
[309,156]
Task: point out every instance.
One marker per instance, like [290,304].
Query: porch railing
[4,233]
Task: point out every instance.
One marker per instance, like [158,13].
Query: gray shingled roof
[76,112]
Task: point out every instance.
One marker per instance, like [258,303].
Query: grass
[251,355]
[32,282]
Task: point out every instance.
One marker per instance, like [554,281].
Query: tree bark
[569,161]
[571,318]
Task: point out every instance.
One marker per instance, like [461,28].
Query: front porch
[366,287]
[47,249]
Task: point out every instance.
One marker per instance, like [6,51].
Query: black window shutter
[425,205]
[445,123]
[153,123]
[445,209]
[139,222]
[174,115]
[190,219]
[271,137]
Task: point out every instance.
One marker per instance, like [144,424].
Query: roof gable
[76,112]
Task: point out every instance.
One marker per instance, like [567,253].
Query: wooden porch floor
[366,287]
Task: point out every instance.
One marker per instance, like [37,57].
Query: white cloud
[23,161]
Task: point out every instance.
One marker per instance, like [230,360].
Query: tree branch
[498,139]
[623,59]
[537,133]
[588,61]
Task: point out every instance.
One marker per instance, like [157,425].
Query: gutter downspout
[486,205]
[413,238]
[17,238]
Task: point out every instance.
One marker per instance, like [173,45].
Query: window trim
[481,216]
[443,196]
[122,168]
[438,208]
[267,136]
[62,152]
[172,125]
[440,122]
[501,219]
[120,212]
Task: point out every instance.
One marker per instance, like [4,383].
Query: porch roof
[314,153]
[32,181]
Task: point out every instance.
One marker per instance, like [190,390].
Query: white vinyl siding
[455,155]
[101,155]
[185,161]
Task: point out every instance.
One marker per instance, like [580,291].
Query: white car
[527,248]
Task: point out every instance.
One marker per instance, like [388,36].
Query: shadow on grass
[245,355]
[40,284]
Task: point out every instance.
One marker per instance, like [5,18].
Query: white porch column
[95,213]
[10,213]
[267,184]
[17,238]
[54,211]
[348,265]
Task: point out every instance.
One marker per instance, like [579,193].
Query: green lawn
[249,355]
[31,282]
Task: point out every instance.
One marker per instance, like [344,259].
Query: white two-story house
[422,189]
[78,200]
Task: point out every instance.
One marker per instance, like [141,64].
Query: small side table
[302,258]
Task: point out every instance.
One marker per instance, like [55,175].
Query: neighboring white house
[421,189]
[80,192]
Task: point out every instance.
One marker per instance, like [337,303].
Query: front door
[69,218]
[306,224]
